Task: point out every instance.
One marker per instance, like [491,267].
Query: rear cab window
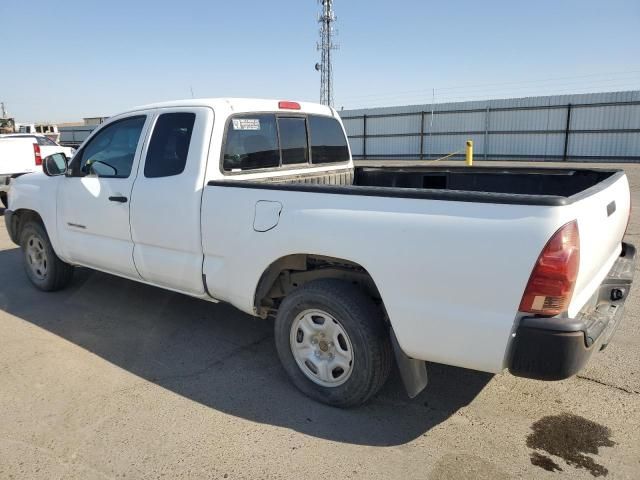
[328,144]
[267,141]
[251,143]
[46,142]
[294,146]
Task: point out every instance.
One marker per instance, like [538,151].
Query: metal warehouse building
[584,127]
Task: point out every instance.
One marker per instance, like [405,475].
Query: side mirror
[98,168]
[55,165]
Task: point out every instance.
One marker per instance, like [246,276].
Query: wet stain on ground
[545,462]
[571,438]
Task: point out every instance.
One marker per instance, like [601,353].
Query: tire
[302,320]
[43,267]
[3,199]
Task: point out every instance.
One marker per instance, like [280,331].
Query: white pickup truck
[257,203]
[23,153]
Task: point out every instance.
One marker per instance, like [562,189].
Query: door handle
[118,199]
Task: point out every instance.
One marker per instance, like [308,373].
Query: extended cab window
[252,142]
[328,143]
[110,153]
[293,140]
[169,145]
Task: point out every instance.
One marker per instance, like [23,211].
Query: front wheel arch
[19,219]
[43,267]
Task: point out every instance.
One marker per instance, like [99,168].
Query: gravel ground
[114,379]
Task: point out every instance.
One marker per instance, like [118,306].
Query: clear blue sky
[62,60]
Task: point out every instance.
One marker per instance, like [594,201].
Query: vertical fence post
[421,135]
[486,134]
[566,133]
[364,137]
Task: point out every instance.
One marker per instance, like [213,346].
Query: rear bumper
[557,348]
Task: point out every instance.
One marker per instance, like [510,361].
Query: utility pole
[325,45]
[4,110]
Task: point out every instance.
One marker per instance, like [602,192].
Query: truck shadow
[221,357]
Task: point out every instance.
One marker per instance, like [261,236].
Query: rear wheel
[43,267]
[333,343]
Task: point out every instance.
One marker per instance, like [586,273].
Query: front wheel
[43,267]
[333,343]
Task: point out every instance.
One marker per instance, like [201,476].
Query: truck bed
[513,185]
[522,181]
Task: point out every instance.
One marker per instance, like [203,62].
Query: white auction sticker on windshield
[246,124]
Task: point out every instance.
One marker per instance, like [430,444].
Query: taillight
[36,154]
[554,275]
[288,105]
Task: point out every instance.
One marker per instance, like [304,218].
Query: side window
[169,145]
[252,142]
[328,143]
[110,153]
[293,140]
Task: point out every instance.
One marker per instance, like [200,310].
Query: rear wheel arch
[287,273]
[332,342]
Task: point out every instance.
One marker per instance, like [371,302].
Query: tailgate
[602,213]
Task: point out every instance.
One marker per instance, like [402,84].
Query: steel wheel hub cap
[37,257]
[321,347]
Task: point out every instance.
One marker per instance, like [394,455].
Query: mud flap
[413,372]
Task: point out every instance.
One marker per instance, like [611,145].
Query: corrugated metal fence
[586,127]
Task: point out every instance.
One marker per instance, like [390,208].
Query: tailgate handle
[611,208]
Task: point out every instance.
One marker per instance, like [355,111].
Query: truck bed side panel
[451,274]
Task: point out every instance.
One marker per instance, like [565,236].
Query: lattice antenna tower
[326,19]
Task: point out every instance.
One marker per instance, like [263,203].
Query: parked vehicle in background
[73,136]
[7,125]
[44,141]
[482,268]
[49,130]
[22,153]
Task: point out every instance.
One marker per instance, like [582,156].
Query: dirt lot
[112,378]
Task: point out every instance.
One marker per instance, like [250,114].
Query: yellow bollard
[469,153]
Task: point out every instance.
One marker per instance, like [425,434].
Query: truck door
[167,194]
[94,198]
